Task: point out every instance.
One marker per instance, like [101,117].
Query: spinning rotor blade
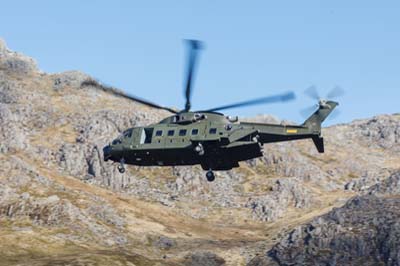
[306,112]
[335,114]
[312,92]
[335,92]
[270,99]
[145,102]
[194,46]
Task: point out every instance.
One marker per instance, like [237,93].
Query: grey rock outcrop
[388,187]
[283,193]
[381,132]
[15,62]
[204,258]
[365,231]
[12,134]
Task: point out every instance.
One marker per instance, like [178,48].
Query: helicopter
[208,137]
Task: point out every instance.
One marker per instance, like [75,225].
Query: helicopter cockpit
[126,134]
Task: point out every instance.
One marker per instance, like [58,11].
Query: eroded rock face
[203,259]
[35,200]
[365,231]
[383,132]
[72,79]
[284,193]
[12,135]
[15,62]
[41,211]
[388,187]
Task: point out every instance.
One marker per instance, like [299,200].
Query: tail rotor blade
[306,112]
[335,114]
[335,92]
[312,92]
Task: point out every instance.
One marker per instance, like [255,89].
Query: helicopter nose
[107,152]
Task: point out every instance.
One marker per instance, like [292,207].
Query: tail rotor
[314,94]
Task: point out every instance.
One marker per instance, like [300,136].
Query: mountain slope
[365,231]
[60,202]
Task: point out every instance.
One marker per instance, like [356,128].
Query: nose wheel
[210,176]
[121,166]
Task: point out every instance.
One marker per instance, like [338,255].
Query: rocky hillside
[365,231]
[60,204]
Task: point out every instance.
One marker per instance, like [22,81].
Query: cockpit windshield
[125,134]
[116,141]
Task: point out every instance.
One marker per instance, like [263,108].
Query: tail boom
[310,129]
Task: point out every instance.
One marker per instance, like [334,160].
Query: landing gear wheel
[121,167]
[210,176]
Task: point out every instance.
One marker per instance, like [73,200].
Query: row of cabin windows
[183,132]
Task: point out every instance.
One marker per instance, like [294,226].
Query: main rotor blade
[142,101]
[194,46]
[270,99]
[312,92]
[335,92]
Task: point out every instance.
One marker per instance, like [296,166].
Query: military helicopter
[208,137]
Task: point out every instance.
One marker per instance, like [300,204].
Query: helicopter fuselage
[210,139]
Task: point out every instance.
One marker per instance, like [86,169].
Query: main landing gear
[210,176]
[121,166]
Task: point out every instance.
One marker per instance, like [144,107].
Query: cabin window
[195,131]
[182,132]
[146,136]
[213,131]
[171,132]
[159,133]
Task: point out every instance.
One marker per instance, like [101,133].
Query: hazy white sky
[253,49]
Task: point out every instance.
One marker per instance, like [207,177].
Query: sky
[252,49]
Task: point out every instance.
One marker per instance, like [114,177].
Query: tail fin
[319,143]
[315,120]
